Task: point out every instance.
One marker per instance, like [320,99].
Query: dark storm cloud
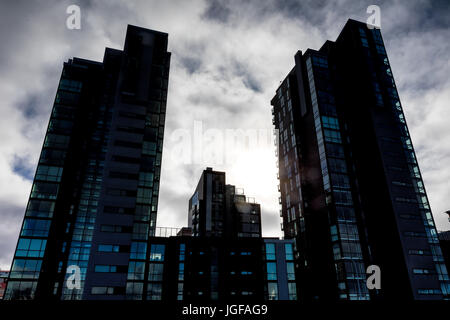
[191,57]
[248,78]
[191,64]
[28,107]
[22,167]
[217,10]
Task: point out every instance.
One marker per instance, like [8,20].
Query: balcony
[166,232]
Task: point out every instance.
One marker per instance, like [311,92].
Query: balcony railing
[166,232]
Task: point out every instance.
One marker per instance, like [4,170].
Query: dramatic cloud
[228,58]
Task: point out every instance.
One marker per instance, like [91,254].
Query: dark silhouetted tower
[351,189]
[94,197]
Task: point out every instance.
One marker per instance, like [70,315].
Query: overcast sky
[228,58]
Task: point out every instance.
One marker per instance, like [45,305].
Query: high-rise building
[94,197]
[221,257]
[351,190]
[218,209]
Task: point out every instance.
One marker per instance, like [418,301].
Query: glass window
[351,249]
[60,126]
[52,156]
[320,61]
[140,231]
[328,109]
[23,290]
[149,148]
[334,233]
[56,141]
[70,85]
[290,271]
[364,42]
[157,252]
[342,197]
[155,272]
[344,213]
[65,97]
[144,195]
[65,112]
[332,136]
[270,251]
[272,288]
[336,251]
[138,250]
[380,49]
[154,291]
[337,165]
[289,252]
[292,290]
[108,248]
[340,181]
[180,291]
[377,35]
[379,99]
[134,290]
[335,150]
[31,248]
[35,228]
[136,270]
[271,271]
[105,268]
[362,32]
[146,179]
[142,213]
[40,208]
[152,120]
[44,190]
[330,122]
[25,268]
[47,173]
[102,290]
[181,271]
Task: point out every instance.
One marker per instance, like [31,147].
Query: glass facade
[350,268]
[382,78]
[94,197]
[347,169]
[280,274]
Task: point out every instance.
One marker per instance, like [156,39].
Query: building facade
[217,209]
[207,269]
[94,197]
[351,190]
[444,240]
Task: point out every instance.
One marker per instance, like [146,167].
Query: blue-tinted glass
[138,250]
[270,251]
[23,268]
[271,271]
[101,268]
[289,251]
[31,248]
[157,252]
[24,244]
[105,247]
[35,227]
[290,270]
[40,208]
